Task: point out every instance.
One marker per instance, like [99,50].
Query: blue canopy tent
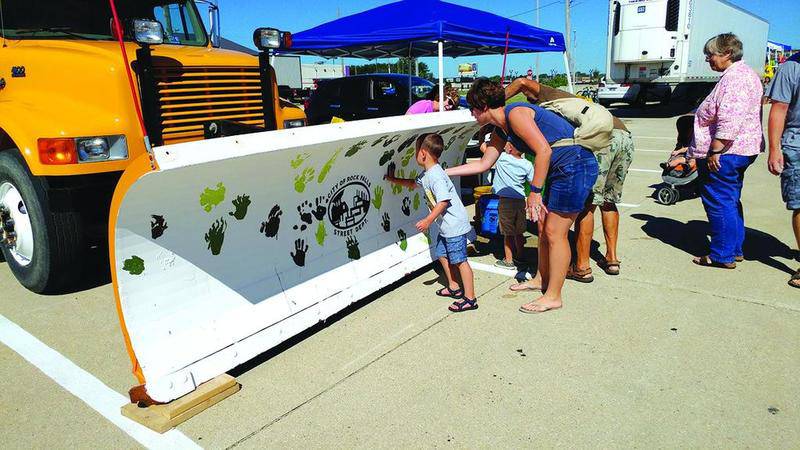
[415,28]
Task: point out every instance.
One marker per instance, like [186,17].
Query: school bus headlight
[267,38]
[101,148]
[294,123]
[148,32]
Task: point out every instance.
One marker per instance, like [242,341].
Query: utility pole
[567,35]
[537,53]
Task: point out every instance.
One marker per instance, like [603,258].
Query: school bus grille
[190,96]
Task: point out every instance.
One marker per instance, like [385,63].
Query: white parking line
[86,387]
[645,170]
[628,205]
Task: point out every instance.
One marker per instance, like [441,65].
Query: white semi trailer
[656,46]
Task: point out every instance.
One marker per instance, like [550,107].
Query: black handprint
[386,157]
[304,209]
[299,254]
[216,236]
[378,141]
[406,143]
[272,224]
[321,208]
[391,140]
[386,223]
[241,203]
[390,169]
[406,206]
[352,248]
[157,226]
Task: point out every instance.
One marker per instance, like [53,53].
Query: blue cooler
[488,217]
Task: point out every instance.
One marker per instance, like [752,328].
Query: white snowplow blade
[236,244]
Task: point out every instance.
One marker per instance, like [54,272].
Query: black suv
[364,97]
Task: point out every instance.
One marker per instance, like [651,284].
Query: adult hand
[713,162]
[536,207]
[775,163]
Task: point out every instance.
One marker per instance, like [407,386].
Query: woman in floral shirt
[727,139]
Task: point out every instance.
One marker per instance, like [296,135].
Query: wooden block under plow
[162,418]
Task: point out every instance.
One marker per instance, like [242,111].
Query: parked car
[364,97]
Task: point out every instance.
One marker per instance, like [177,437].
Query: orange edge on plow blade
[135,170]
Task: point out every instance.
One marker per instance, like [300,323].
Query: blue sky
[589,20]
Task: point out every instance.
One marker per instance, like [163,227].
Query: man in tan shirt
[607,191]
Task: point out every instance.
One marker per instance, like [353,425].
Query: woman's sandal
[706,261]
[458,293]
[795,280]
[464,305]
[580,275]
[524,286]
[610,267]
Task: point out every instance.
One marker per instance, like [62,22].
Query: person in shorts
[784,140]
[606,193]
[511,173]
[449,212]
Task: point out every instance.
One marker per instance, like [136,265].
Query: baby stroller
[680,177]
[679,173]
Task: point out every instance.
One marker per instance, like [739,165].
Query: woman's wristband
[536,190]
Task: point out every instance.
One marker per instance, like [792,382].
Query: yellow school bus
[69,126]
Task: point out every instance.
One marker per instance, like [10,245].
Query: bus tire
[47,260]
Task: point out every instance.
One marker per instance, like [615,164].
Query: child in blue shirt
[512,171]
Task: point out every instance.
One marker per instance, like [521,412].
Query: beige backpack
[593,123]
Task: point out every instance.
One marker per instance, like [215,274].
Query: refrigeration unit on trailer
[655,46]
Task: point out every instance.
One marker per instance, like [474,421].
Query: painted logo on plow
[348,205]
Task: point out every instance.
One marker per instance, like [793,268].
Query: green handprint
[216,236]
[377,198]
[412,176]
[327,167]
[321,234]
[241,203]
[134,265]
[212,197]
[301,180]
[416,201]
[355,148]
[403,241]
[407,157]
[299,160]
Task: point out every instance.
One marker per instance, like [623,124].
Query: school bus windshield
[91,20]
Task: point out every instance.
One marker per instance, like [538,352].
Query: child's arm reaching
[438,210]
[405,182]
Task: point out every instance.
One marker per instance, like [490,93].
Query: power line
[536,9]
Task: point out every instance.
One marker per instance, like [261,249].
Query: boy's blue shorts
[452,248]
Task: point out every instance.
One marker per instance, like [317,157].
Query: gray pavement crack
[352,374]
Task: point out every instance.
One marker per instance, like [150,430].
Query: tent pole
[410,87]
[569,75]
[441,76]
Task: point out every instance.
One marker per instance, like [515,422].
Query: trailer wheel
[41,242]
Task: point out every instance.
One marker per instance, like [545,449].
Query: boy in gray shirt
[449,212]
[784,140]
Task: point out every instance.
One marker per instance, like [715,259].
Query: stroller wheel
[667,195]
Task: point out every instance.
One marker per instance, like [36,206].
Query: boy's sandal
[610,267]
[795,280]
[458,293]
[706,261]
[580,275]
[464,305]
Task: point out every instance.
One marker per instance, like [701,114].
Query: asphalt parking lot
[667,354]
